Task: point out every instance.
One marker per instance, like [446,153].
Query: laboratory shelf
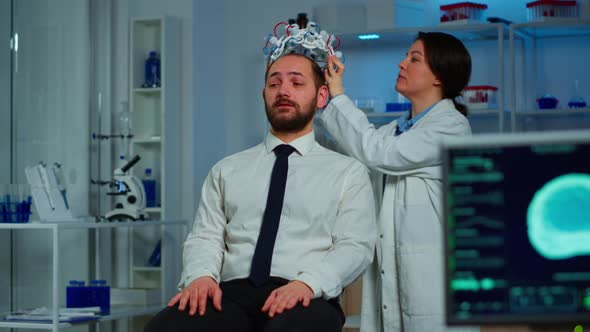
[155,117]
[116,312]
[147,91]
[405,36]
[482,111]
[525,74]
[564,27]
[31,325]
[385,115]
[153,210]
[56,228]
[90,224]
[147,268]
[149,140]
[550,112]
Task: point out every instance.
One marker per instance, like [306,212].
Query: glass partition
[44,109]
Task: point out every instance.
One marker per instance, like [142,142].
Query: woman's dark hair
[450,62]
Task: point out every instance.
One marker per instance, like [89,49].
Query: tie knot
[283,150]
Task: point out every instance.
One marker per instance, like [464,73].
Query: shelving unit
[528,76]
[58,291]
[366,58]
[155,125]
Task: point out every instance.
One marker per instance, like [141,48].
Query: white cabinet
[51,274]
[547,57]
[155,126]
[371,68]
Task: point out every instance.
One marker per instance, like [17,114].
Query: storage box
[96,295]
[462,12]
[135,296]
[480,96]
[550,9]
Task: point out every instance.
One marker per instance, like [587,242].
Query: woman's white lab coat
[403,288]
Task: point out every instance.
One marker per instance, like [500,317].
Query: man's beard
[293,123]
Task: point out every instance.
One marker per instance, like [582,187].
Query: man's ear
[322,99]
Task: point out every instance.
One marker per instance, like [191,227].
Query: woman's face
[415,77]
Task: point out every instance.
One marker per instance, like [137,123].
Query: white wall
[229,74]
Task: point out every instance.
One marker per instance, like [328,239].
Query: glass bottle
[576,101]
[149,186]
[152,70]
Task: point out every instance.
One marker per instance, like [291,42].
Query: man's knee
[320,316]
[231,318]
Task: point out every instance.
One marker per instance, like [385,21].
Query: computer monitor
[517,228]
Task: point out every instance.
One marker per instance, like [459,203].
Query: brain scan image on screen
[558,217]
[517,229]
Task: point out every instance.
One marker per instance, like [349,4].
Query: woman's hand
[333,75]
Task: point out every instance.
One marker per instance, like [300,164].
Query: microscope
[129,195]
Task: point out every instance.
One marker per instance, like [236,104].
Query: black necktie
[260,270]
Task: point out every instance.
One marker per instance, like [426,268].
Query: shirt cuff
[186,280]
[312,282]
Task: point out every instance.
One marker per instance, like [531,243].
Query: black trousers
[240,312]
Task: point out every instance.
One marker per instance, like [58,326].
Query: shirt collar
[302,144]
[404,123]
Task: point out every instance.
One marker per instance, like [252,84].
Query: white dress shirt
[327,231]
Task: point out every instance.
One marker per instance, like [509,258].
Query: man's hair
[318,73]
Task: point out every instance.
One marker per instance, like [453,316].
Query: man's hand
[287,297]
[333,75]
[196,295]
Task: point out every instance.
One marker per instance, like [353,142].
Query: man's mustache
[284,101]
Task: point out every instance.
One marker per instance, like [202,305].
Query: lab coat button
[385,306]
[382,271]
[381,235]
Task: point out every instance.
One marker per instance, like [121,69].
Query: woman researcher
[403,289]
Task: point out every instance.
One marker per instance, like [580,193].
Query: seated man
[273,252]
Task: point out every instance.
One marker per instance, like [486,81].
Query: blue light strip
[369,36]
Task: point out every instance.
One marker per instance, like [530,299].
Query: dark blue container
[152,70]
[100,296]
[76,294]
[547,102]
[149,186]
